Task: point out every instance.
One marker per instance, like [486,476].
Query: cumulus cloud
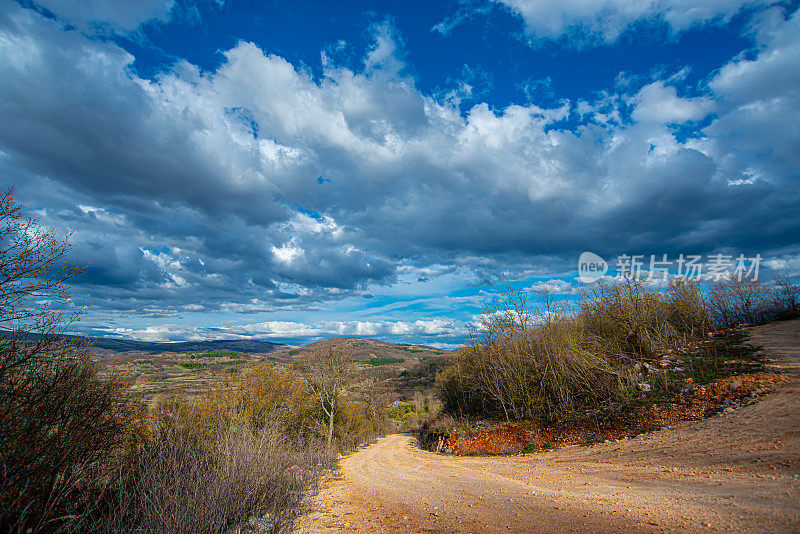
[553,287]
[756,137]
[295,330]
[603,21]
[256,186]
[120,15]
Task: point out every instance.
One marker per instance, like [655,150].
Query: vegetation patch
[381,361]
[629,360]
[719,374]
[193,365]
[217,354]
[411,348]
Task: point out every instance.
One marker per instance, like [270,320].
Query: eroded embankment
[694,402]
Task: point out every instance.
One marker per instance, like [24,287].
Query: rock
[690,380]
[644,387]
[679,369]
[649,368]
[665,363]
[733,386]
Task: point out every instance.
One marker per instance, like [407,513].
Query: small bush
[250,449]
[382,361]
[193,365]
[629,319]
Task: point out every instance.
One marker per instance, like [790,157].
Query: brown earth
[693,403]
[738,471]
[154,375]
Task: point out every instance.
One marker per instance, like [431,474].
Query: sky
[291,171]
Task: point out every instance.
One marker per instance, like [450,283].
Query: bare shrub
[59,423]
[631,319]
[738,300]
[524,366]
[547,365]
[247,451]
[785,301]
[687,310]
[184,482]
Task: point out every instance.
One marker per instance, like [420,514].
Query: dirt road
[738,471]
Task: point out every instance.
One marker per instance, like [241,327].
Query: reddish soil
[694,403]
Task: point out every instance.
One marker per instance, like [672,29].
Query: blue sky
[295,170]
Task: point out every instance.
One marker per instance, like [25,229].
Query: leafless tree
[58,421]
[327,372]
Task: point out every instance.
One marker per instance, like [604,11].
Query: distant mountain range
[239,345]
[125,345]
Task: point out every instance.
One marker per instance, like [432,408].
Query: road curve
[735,472]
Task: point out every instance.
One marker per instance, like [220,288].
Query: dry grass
[182,482]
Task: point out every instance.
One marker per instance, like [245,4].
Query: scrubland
[625,346]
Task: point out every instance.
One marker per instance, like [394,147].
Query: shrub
[183,481]
[735,301]
[785,302]
[248,450]
[60,424]
[521,368]
[630,319]
[546,365]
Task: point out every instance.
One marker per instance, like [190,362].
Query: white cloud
[757,135]
[554,287]
[102,215]
[294,330]
[606,20]
[287,253]
[120,15]
[661,104]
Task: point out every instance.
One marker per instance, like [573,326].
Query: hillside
[159,368]
[374,352]
[106,346]
[238,345]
